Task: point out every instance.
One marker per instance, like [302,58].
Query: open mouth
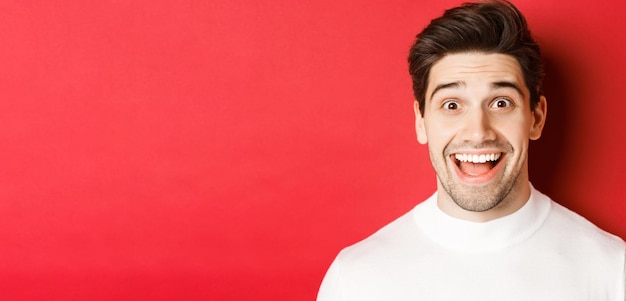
[476,165]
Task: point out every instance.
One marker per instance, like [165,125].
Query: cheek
[438,138]
[441,130]
[518,137]
[515,130]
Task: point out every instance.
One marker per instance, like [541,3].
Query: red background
[227,150]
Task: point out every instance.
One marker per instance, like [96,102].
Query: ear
[419,124]
[539,118]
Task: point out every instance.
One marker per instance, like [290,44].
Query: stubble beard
[478,198]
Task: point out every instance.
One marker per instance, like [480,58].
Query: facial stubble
[477,198]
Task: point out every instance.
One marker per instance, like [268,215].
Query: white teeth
[477,158]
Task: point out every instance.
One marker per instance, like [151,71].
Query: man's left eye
[501,103]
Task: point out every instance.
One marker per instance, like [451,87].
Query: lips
[476,168]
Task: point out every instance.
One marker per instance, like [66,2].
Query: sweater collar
[465,236]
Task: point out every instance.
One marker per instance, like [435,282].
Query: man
[486,234]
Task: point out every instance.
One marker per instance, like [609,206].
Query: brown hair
[490,27]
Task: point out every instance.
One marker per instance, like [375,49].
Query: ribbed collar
[465,236]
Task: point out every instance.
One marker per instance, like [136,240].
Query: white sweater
[541,252]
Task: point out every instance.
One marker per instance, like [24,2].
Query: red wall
[227,150]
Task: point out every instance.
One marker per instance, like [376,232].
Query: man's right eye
[451,105]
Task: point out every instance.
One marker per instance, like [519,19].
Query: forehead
[475,69]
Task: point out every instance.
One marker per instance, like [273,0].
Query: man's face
[477,123]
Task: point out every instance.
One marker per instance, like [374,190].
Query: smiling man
[486,234]
[477,121]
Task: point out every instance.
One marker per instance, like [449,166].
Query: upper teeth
[477,158]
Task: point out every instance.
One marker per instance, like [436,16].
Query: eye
[501,103]
[451,105]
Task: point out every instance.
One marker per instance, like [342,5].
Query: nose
[478,126]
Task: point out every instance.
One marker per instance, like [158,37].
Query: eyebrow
[495,85]
[452,85]
[508,84]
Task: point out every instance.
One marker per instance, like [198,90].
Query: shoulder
[401,238]
[581,229]
[583,249]
[577,239]
[373,262]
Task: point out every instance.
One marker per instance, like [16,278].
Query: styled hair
[491,27]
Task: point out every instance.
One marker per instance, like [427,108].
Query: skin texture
[478,103]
